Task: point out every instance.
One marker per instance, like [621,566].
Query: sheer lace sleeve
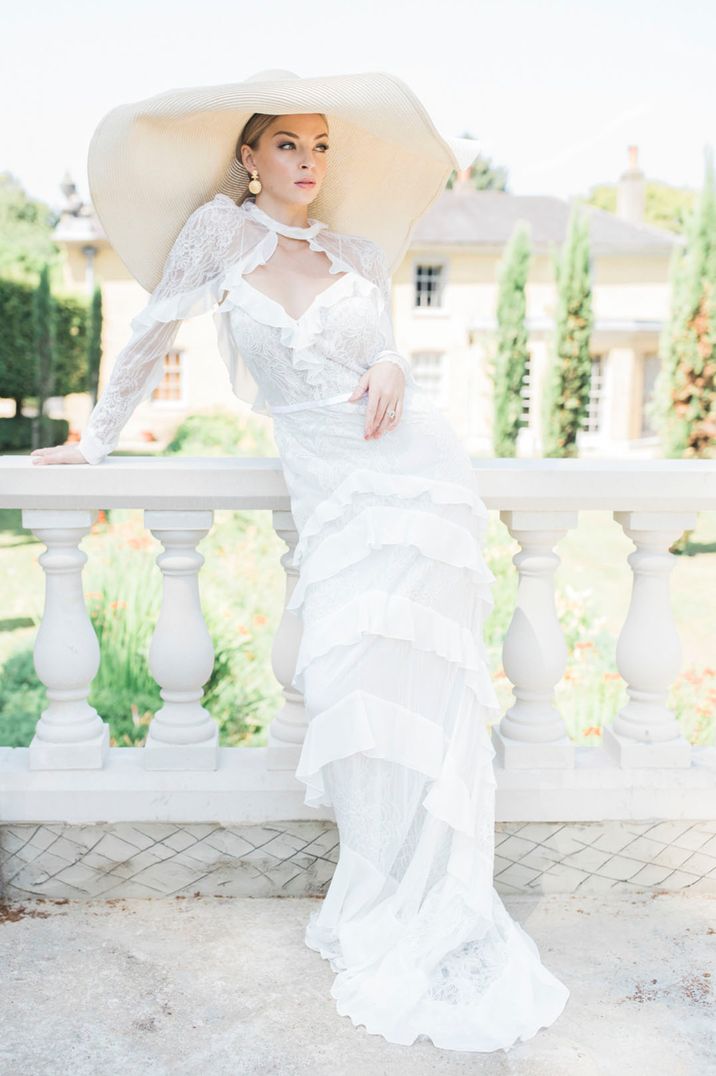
[190,283]
[378,272]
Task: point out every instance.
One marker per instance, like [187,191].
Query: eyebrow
[293,134]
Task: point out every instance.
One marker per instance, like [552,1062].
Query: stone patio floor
[226,987]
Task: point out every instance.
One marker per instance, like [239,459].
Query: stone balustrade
[204,809]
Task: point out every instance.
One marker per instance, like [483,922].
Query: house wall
[626,289]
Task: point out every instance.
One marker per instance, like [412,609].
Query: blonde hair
[250,136]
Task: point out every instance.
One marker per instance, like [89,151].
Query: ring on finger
[390,417]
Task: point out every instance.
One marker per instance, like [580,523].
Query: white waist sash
[341,398]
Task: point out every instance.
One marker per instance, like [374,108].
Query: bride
[393,588]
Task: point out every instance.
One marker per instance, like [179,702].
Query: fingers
[56,454]
[393,422]
[378,421]
[40,455]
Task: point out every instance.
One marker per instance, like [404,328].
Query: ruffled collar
[292,231]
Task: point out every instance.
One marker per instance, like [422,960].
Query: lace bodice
[273,359]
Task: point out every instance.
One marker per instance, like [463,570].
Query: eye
[323,144]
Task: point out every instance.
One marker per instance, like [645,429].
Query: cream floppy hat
[151,163]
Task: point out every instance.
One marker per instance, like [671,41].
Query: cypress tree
[94,343]
[512,354]
[569,375]
[684,405]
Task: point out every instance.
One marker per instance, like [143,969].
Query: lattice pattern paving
[155,859]
[298,858]
[596,857]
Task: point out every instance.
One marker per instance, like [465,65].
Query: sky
[555,91]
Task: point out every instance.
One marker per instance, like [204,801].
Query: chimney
[462,184]
[631,191]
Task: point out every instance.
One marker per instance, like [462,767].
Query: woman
[392,589]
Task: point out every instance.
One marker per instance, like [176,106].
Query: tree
[684,404]
[512,354]
[44,333]
[94,343]
[26,227]
[483,175]
[570,372]
[664,206]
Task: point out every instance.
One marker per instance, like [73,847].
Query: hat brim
[152,163]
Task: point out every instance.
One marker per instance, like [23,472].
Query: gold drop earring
[255,182]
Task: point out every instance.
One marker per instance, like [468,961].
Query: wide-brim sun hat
[151,163]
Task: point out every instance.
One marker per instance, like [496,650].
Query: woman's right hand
[58,454]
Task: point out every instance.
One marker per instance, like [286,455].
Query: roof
[487,218]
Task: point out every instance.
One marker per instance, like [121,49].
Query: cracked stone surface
[187,985]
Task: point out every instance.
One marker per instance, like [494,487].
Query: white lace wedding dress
[392,593]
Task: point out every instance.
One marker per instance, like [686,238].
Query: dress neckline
[321,295]
[292,231]
[270,310]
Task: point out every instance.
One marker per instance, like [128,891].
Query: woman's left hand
[385,382]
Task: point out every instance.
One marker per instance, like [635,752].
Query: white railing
[644,769]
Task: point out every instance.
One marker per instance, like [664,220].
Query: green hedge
[16,432]
[17,344]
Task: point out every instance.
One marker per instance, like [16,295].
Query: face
[291,149]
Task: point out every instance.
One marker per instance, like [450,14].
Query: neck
[283,213]
[293,231]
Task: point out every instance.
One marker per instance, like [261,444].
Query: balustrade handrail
[258,482]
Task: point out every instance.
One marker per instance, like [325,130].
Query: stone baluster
[532,732]
[70,734]
[645,732]
[182,735]
[287,730]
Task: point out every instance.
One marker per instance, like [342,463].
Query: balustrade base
[158,755]
[86,755]
[244,829]
[629,754]
[282,756]
[520,755]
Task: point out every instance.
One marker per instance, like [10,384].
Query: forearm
[136,372]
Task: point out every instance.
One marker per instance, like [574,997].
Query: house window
[429,371]
[649,370]
[595,405]
[429,279]
[170,388]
